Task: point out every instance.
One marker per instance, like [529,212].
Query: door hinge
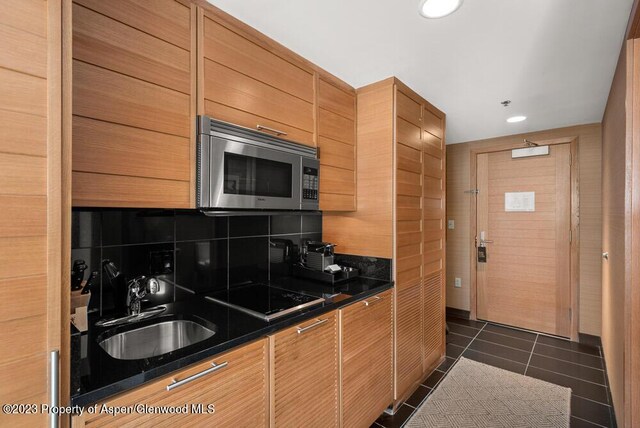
[570,314]
[570,236]
[472,191]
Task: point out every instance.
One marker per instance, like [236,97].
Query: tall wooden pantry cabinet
[401,216]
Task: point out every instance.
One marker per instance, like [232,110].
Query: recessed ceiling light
[438,8]
[514,119]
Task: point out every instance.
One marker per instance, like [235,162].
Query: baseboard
[589,339]
[458,313]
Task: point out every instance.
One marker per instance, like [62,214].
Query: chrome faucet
[138,288]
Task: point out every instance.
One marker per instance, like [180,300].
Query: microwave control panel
[310,183]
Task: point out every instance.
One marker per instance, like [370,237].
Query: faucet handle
[152,285]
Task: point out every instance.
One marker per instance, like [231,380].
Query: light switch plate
[458,283]
[451,224]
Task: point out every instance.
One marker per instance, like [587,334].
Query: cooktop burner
[263,301]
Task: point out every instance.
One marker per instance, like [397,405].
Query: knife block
[79,305]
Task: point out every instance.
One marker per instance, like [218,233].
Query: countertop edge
[100,394]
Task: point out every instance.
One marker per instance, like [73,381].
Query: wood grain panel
[249,120]
[166,20]
[409,338]
[228,87]
[34,367]
[23,52]
[366,354]
[369,231]
[23,337]
[31,304]
[28,16]
[244,380]
[22,175]
[23,216]
[229,48]
[112,97]
[408,134]
[22,93]
[337,154]
[17,136]
[408,109]
[432,124]
[109,148]
[336,202]
[102,41]
[23,256]
[337,180]
[103,190]
[336,127]
[336,100]
[305,378]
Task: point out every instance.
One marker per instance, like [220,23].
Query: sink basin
[155,339]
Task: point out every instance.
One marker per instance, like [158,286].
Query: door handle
[266,128]
[484,241]
[214,368]
[312,326]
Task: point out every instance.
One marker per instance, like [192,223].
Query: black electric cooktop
[263,301]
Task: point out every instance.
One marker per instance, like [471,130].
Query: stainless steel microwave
[242,169]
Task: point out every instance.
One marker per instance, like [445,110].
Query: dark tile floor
[570,364]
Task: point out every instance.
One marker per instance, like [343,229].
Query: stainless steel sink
[155,339]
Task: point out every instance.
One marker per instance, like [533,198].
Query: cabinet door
[248,84]
[238,391]
[305,374]
[133,104]
[433,238]
[337,145]
[409,336]
[367,353]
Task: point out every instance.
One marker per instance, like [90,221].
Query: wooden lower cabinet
[239,391]
[366,358]
[304,374]
[409,334]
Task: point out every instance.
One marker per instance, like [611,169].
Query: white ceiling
[553,58]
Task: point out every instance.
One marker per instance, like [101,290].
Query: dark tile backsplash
[137,227]
[187,251]
[202,265]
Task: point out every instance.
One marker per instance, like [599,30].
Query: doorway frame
[575,222]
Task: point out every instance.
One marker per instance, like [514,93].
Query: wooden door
[250,82]
[336,126]
[133,104]
[367,354]
[304,382]
[524,210]
[238,391]
[33,264]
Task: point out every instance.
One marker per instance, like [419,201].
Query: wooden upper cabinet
[248,83]
[304,364]
[367,355]
[337,146]
[133,104]
[239,391]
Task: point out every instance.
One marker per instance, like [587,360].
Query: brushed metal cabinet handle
[312,326]
[372,301]
[215,367]
[266,128]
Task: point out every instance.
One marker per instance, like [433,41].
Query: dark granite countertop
[105,376]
